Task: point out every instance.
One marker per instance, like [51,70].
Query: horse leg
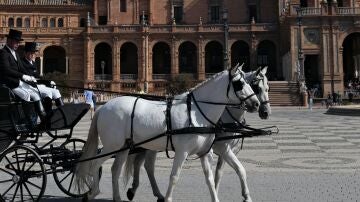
[118,164]
[139,160]
[150,170]
[206,165]
[234,162]
[175,172]
[219,172]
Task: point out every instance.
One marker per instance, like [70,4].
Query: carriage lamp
[226,38]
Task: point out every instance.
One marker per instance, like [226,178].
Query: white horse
[131,119]
[224,149]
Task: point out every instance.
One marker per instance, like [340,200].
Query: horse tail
[84,170]
[129,168]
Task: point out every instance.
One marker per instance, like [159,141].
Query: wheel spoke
[17,160]
[15,192]
[71,181]
[30,166]
[9,180]
[2,169]
[28,191]
[34,185]
[65,177]
[10,163]
[8,189]
[21,192]
[26,154]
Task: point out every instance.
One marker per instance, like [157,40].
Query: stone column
[174,57]
[201,59]
[41,66]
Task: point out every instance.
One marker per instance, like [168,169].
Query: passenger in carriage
[47,93]
[15,76]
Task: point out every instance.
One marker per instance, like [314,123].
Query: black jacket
[30,68]
[11,70]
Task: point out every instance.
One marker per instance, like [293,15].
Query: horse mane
[206,81]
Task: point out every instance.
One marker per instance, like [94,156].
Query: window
[82,22]
[52,22]
[178,13]
[60,22]
[27,22]
[214,13]
[263,60]
[102,20]
[303,3]
[44,22]
[11,22]
[252,12]
[18,22]
[122,5]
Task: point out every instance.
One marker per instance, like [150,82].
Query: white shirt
[12,52]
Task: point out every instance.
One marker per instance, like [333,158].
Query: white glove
[26,78]
[33,79]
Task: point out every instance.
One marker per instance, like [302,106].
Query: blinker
[238,85]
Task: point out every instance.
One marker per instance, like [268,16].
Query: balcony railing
[161,76]
[348,11]
[103,77]
[128,76]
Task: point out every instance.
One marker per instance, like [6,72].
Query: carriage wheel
[65,179]
[23,175]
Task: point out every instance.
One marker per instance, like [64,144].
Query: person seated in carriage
[14,75]
[46,88]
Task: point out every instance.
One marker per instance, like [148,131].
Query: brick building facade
[141,44]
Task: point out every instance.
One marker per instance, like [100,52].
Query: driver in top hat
[47,93]
[15,76]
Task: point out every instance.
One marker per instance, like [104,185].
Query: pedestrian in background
[311,93]
[88,94]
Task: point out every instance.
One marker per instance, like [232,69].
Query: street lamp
[301,78]
[102,74]
[226,38]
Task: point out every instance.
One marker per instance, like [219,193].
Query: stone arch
[54,59]
[161,58]
[240,53]
[214,57]
[351,56]
[187,57]
[266,56]
[103,53]
[129,58]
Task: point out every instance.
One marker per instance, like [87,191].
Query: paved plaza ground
[315,157]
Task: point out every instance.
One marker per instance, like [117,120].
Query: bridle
[255,86]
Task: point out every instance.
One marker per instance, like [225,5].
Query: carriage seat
[7,96]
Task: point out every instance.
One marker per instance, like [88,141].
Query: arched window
[27,22]
[52,22]
[18,22]
[44,22]
[11,22]
[60,22]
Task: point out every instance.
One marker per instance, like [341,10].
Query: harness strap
[188,105]
[201,112]
[130,142]
[169,131]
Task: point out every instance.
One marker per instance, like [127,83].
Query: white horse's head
[242,89]
[259,83]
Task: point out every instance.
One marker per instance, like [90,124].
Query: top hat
[30,47]
[15,34]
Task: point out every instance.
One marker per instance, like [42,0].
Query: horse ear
[241,66]
[258,71]
[264,70]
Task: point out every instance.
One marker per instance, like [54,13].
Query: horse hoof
[161,200]
[85,198]
[130,194]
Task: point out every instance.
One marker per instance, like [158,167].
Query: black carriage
[24,162]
